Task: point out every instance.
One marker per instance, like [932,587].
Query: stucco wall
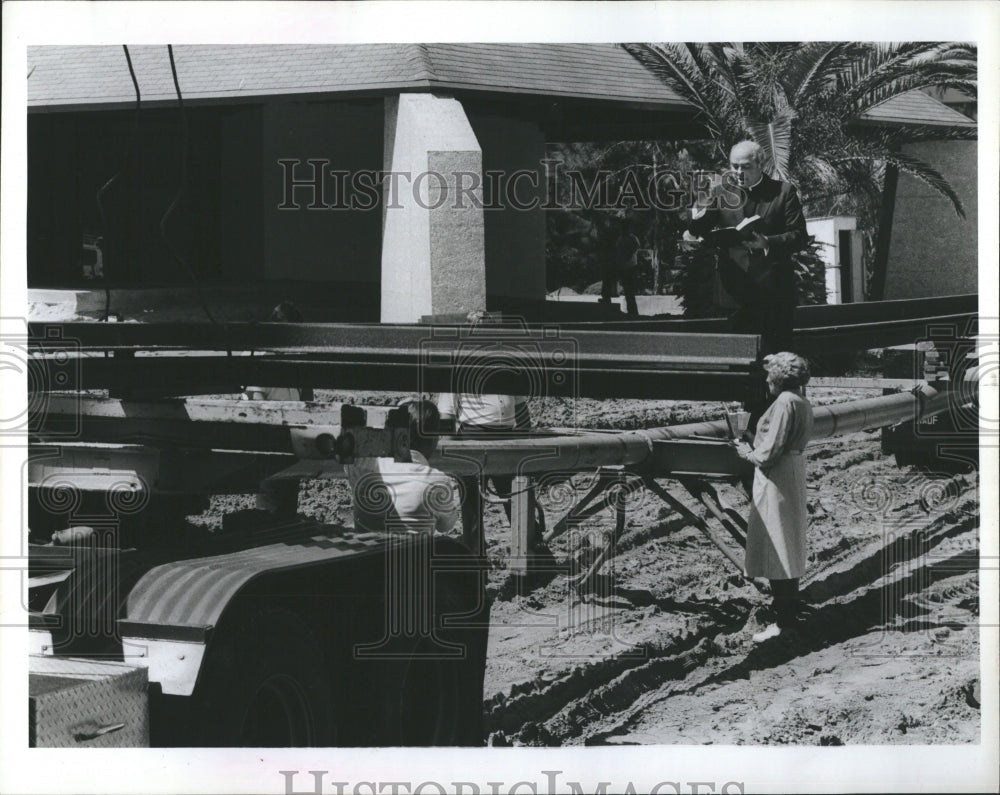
[242,209]
[515,238]
[308,242]
[933,251]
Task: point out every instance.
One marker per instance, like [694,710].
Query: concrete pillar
[433,252]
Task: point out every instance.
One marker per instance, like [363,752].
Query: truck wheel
[265,684]
[429,703]
[425,701]
[430,695]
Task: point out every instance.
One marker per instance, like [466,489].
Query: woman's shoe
[770,631]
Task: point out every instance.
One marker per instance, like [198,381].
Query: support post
[619,502]
[522,524]
[880,266]
[472,515]
[581,511]
[620,480]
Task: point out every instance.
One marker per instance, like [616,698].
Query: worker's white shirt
[392,495]
[271,393]
[498,411]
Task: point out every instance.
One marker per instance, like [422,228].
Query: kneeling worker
[390,495]
[482,416]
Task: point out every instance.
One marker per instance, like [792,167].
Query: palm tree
[805,104]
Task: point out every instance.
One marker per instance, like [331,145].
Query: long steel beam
[809,318]
[343,340]
[655,359]
[877,334]
[185,358]
[652,448]
[637,377]
[261,336]
[846,336]
[839,328]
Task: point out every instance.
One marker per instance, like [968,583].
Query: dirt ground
[887,652]
[888,646]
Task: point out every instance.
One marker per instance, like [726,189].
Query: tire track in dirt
[553,712]
[894,556]
[897,602]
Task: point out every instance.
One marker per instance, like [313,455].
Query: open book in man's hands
[727,236]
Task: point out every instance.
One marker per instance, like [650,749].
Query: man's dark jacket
[766,293]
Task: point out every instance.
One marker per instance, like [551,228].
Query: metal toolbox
[76,703]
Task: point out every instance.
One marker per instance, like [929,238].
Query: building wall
[135,164]
[241,210]
[237,222]
[515,238]
[827,232]
[932,250]
[303,237]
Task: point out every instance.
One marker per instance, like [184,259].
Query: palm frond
[775,137]
[762,79]
[819,169]
[917,168]
[812,68]
[886,64]
[963,50]
[674,65]
[872,64]
[723,64]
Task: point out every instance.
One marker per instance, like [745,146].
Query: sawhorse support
[620,481]
[706,494]
[606,477]
[694,519]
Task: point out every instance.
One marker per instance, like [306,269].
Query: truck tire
[424,705]
[265,683]
[431,693]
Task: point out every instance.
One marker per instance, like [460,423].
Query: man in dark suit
[758,274]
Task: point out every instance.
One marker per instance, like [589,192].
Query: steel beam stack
[161,359]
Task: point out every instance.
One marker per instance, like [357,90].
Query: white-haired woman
[776,532]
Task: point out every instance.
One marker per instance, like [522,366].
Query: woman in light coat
[776,531]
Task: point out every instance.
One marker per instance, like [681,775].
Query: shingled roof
[97,76]
[61,76]
[916,107]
